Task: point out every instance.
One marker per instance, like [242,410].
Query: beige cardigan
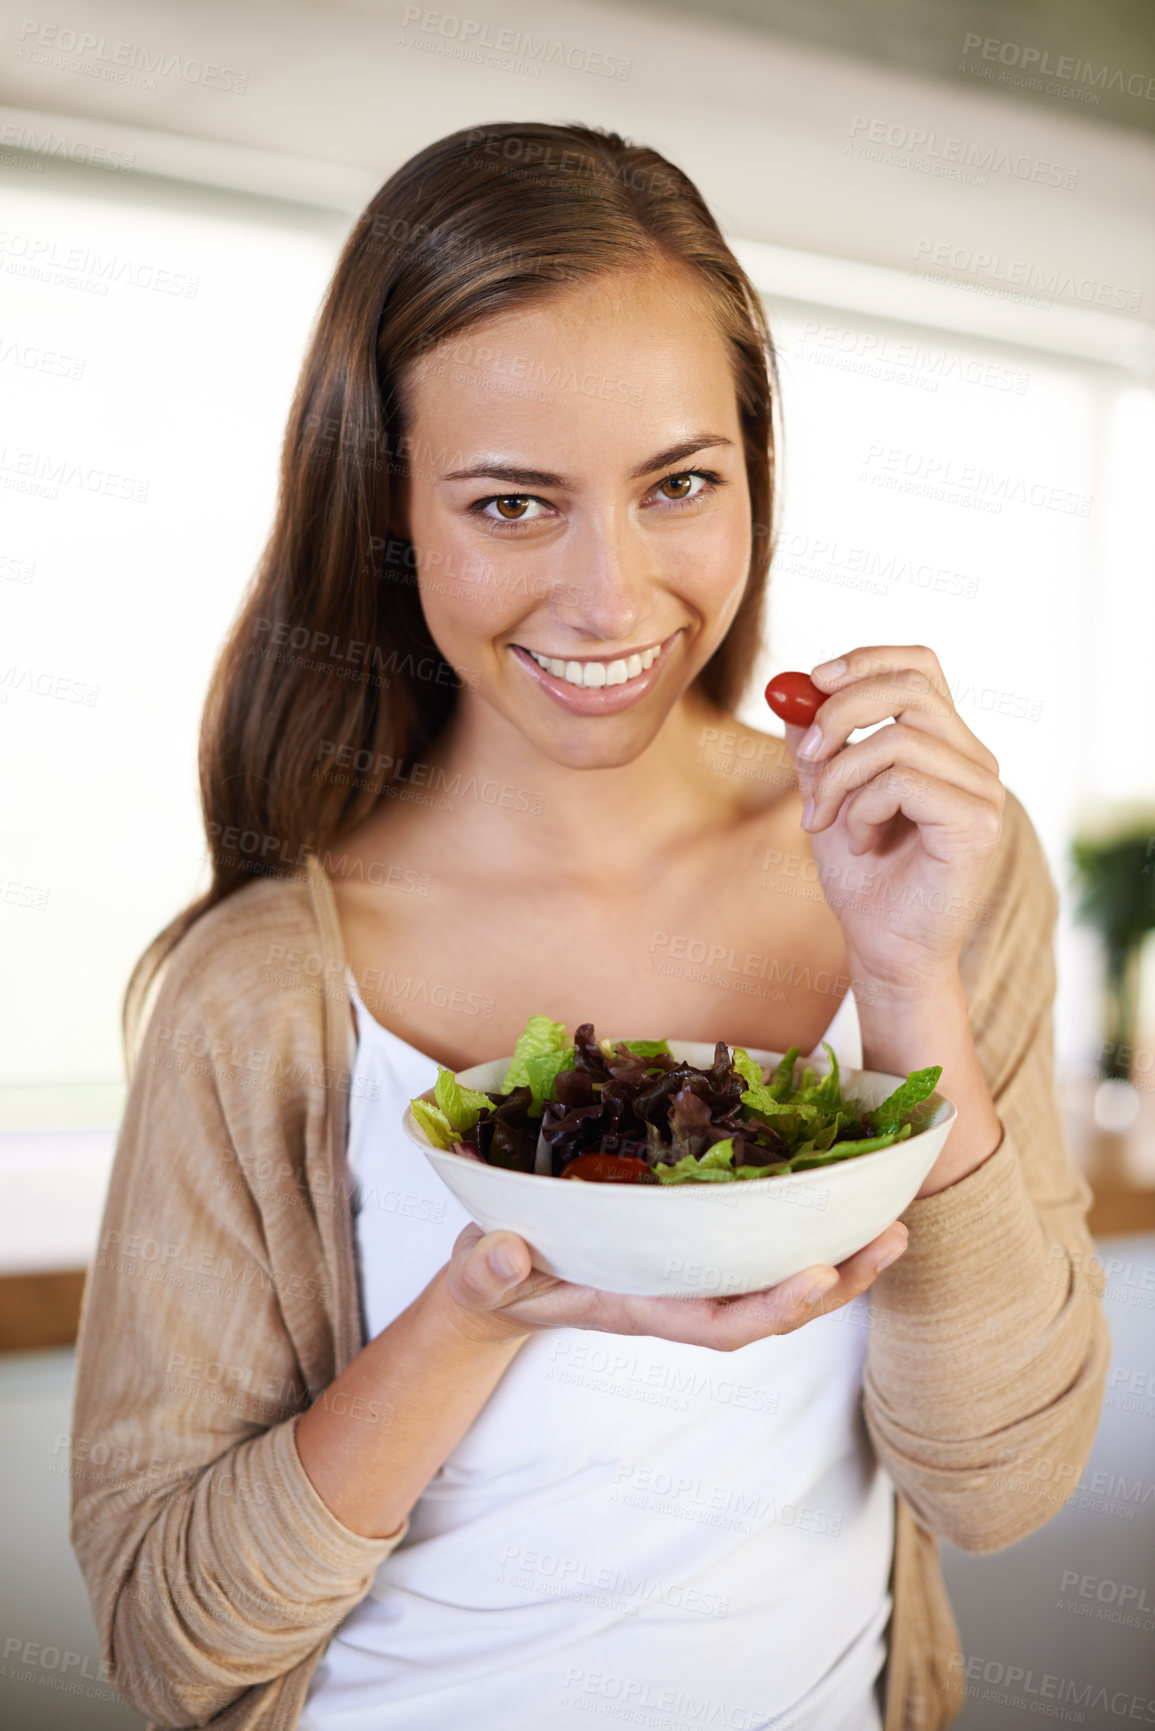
[224,1299]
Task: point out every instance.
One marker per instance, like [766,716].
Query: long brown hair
[329,656]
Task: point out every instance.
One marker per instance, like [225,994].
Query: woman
[340,1458]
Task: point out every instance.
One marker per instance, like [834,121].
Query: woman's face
[577,494]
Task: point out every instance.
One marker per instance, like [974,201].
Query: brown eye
[679,486]
[512,506]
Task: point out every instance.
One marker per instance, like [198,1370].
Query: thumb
[494,1264]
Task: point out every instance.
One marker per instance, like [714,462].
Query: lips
[604,699]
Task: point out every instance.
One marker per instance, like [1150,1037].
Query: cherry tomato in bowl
[794,698]
[608,1169]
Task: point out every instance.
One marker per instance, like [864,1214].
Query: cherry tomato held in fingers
[794,698]
[609,1169]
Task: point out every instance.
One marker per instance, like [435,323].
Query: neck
[579,822]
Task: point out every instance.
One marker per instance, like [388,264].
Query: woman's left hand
[905,822]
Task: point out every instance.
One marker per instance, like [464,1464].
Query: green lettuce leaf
[766,1104]
[540,1034]
[435,1124]
[750,1072]
[461,1106]
[715,1166]
[807,1155]
[542,1071]
[827,1092]
[781,1081]
[918,1085]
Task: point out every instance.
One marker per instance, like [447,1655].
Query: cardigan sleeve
[988,1347]
[212,1564]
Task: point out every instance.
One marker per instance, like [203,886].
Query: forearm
[381,1430]
[900,1035]
[986,1360]
[985,1346]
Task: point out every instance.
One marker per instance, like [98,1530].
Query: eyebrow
[519,477]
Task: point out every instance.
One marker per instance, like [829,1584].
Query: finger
[876,660]
[722,1324]
[488,1266]
[842,1283]
[879,683]
[949,818]
[805,771]
[897,749]
[859,1272]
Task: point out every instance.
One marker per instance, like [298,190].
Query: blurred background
[948,207]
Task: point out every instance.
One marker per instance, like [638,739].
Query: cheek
[469,598]
[460,583]
[712,567]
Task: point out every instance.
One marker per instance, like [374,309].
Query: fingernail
[808,814]
[812,743]
[820,1290]
[502,1263]
[831,669]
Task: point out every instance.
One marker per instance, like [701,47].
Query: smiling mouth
[593,673]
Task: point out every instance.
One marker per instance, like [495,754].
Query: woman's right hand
[489,1306]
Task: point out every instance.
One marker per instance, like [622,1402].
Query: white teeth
[593,674]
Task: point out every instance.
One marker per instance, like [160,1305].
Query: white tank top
[631,1527]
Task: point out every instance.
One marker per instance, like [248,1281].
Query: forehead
[630,358]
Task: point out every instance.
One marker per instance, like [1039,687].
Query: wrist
[884,996]
[906,1029]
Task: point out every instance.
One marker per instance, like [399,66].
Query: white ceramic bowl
[683,1240]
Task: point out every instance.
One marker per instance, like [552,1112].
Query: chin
[595,744]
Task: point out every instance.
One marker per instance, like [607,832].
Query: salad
[631,1113]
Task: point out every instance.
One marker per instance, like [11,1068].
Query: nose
[604,578]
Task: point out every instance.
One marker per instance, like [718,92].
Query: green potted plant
[1114,859]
